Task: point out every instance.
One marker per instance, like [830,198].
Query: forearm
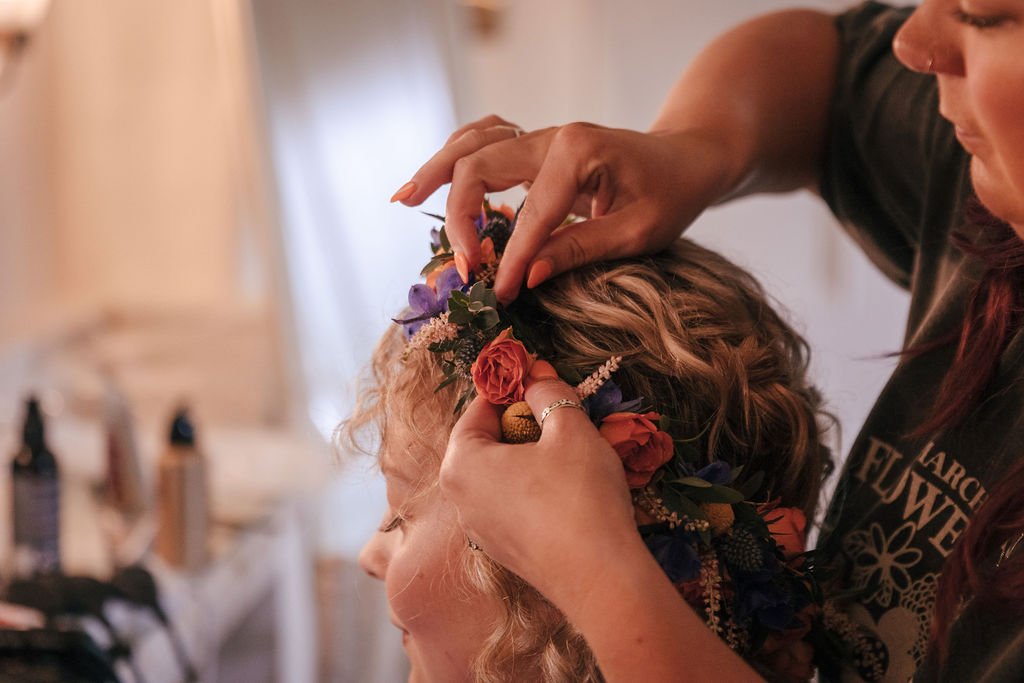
[761,94]
[638,626]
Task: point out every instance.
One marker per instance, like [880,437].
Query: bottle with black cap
[36,500]
[183,510]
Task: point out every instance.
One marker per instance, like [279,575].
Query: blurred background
[194,211]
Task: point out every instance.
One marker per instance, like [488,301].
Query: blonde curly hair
[698,340]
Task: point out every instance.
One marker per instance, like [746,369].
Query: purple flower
[608,400]
[425,303]
[768,603]
[676,553]
[435,240]
[718,472]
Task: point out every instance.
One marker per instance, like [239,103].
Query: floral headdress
[739,563]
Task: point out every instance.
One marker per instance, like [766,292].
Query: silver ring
[517,131]
[560,403]
[472,544]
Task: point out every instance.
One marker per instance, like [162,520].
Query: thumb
[577,244]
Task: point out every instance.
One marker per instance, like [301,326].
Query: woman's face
[418,554]
[976,50]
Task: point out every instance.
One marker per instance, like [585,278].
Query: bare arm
[749,115]
[762,92]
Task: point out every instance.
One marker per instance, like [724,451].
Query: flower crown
[739,563]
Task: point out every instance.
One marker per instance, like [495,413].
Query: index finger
[496,167]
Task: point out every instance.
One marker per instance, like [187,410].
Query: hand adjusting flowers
[699,518]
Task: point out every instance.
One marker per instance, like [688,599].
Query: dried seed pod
[518,424]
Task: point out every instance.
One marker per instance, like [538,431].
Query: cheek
[999,108]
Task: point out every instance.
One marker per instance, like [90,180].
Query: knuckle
[576,136]
[492,120]
[475,138]
[576,252]
[466,167]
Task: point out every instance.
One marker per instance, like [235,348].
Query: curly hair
[698,340]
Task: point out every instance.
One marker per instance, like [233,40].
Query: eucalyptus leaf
[752,485]
[460,316]
[486,319]
[715,494]
[446,382]
[435,263]
[695,482]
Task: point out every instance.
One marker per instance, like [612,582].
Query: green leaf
[457,298]
[446,382]
[466,396]
[752,485]
[686,507]
[443,236]
[664,423]
[477,291]
[434,263]
[460,316]
[715,494]
[736,471]
[695,482]
[486,319]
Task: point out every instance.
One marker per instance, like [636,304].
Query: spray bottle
[183,506]
[36,500]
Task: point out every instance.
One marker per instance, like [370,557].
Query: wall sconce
[18,18]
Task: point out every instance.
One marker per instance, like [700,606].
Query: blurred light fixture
[484,16]
[18,18]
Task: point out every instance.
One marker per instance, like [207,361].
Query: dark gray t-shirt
[898,180]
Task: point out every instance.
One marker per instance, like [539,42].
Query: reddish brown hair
[993,315]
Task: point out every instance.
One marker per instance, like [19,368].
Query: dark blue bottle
[36,500]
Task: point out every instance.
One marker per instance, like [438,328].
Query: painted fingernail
[462,266]
[539,272]
[404,192]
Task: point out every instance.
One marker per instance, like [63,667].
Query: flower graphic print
[881,562]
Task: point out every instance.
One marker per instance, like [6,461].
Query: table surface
[264,485]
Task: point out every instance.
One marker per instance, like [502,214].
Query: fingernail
[404,192]
[539,272]
[462,266]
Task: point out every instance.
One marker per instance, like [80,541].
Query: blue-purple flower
[426,303]
[767,602]
[676,553]
[608,400]
[718,472]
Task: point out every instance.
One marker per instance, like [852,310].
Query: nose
[926,42]
[373,558]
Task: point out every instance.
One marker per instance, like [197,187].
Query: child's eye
[394,523]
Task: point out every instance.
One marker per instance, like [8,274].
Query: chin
[998,196]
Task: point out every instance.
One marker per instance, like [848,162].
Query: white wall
[612,62]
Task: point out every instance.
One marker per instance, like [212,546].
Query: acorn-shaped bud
[518,424]
[720,516]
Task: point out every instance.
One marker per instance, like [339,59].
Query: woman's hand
[640,191]
[558,513]
[536,508]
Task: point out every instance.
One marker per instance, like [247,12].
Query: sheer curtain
[357,94]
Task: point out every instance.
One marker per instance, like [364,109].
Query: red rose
[500,369]
[638,442]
